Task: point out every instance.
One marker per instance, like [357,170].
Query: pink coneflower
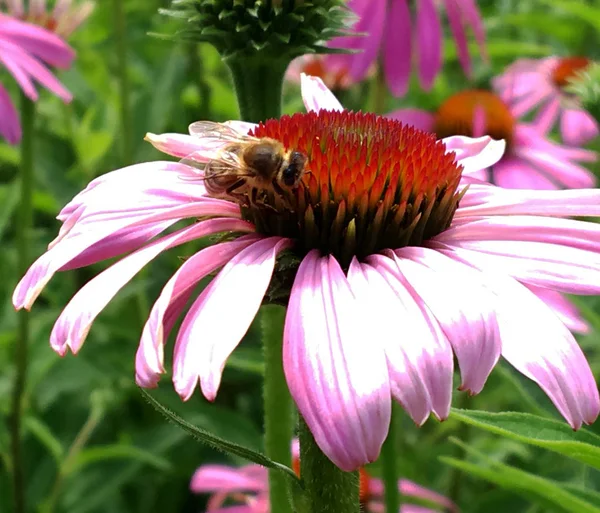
[540,84]
[400,267]
[248,488]
[63,20]
[393,35]
[331,71]
[25,51]
[530,162]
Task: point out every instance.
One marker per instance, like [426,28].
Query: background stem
[390,474]
[24,234]
[328,489]
[122,75]
[279,422]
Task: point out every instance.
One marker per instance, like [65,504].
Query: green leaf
[556,436]
[542,491]
[581,10]
[118,451]
[45,436]
[217,442]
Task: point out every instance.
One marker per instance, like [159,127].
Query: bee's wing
[218,131]
[226,163]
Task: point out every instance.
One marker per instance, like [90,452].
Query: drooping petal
[74,323]
[577,127]
[547,116]
[171,302]
[397,50]
[429,42]
[226,479]
[316,95]
[541,347]
[566,311]
[465,310]
[10,127]
[418,118]
[346,408]
[220,317]
[475,154]
[515,173]
[432,355]
[456,21]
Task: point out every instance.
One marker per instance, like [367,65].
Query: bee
[246,165]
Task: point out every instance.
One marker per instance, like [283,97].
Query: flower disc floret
[371,183]
[567,68]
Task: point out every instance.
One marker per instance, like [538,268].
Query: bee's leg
[235,186]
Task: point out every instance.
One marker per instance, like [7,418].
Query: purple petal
[424,342]
[10,128]
[225,479]
[418,118]
[464,308]
[547,116]
[171,302]
[397,51]
[456,21]
[316,95]
[76,319]
[515,173]
[204,341]
[429,42]
[338,380]
[578,127]
[411,489]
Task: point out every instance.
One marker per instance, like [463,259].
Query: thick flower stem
[25,230]
[258,83]
[328,489]
[389,457]
[279,421]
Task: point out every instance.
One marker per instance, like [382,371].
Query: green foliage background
[91,443]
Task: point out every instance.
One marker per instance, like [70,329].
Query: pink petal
[566,311]
[316,96]
[10,128]
[411,489]
[397,51]
[465,310]
[75,321]
[429,42]
[226,479]
[578,127]
[171,302]
[515,173]
[338,380]
[182,145]
[456,22]
[547,116]
[420,119]
[204,341]
[475,154]
[424,342]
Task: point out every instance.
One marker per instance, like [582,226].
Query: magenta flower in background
[400,40]
[395,275]
[25,51]
[63,20]
[330,70]
[530,84]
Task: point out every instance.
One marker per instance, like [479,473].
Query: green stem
[258,83]
[390,475]
[24,233]
[463,432]
[328,489]
[121,49]
[279,419]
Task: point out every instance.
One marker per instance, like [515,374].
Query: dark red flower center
[567,68]
[475,113]
[371,183]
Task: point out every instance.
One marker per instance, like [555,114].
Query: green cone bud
[585,85]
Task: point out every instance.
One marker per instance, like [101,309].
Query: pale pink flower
[399,39]
[248,488]
[395,276]
[331,71]
[25,51]
[63,19]
[530,84]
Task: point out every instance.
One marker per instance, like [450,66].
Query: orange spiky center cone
[371,184]
[567,68]
[363,480]
[475,113]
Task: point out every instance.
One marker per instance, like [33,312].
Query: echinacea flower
[25,51]
[401,266]
[393,35]
[248,488]
[331,71]
[530,84]
[63,20]
[531,161]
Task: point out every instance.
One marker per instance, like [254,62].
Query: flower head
[63,20]
[542,84]
[395,265]
[248,488]
[329,69]
[25,51]
[393,34]
[531,161]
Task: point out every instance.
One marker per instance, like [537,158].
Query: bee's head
[295,169]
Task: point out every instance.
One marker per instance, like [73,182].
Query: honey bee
[247,165]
